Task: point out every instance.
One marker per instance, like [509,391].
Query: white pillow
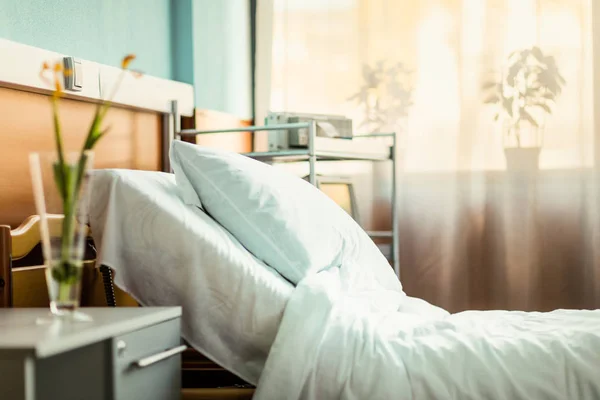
[184,186]
[282,219]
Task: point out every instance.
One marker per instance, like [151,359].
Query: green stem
[81,167]
[68,227]
[64,291]
[73,179]
[72,183]
[68,192]
[57,131]
[59,145]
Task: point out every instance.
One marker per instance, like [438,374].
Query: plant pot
[522,159]
[63,240]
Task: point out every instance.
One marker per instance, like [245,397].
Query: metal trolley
[310,154]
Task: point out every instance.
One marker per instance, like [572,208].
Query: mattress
[166,253]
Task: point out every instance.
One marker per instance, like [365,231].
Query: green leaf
[550,61]
[95,138]
[94,129]
[531,91]
[544,107]
[507,105]
[489,85]
[59,179]
[537,53]
[57,131]
[527,117]
[492,99]
[66,273]
[513,71]
[58,274]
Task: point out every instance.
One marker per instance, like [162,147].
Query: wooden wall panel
[207,119]
[26,126]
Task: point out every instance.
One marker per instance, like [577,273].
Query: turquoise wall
[205,43]
[222,69]
[96,30]
[211,43]
[182,40]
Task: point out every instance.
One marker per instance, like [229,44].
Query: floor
[220,393]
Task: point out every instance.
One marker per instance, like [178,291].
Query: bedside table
[124,353]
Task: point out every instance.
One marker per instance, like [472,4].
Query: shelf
[302,155]
[371,147]
[380,234]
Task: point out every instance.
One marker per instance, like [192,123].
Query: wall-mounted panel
[22,67]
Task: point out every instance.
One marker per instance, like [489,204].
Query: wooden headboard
[136,120]
[26,126]
[208,119]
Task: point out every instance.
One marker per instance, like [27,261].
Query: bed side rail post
[170,131]
[109,289]
[165,143]
[5,267]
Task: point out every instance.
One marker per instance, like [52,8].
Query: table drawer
[146,363]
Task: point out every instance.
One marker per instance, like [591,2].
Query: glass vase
[60,187]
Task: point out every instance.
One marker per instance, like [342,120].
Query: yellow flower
[127,60]
[57,87]
[45,67]
[136,73]
[55,82]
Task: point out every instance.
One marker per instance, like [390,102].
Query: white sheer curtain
[475,234]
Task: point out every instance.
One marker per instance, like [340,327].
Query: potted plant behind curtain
[529,87]
[59,186]
[384,97]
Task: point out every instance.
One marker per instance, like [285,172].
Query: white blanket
[335,344]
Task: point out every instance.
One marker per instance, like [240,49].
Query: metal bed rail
[311,126]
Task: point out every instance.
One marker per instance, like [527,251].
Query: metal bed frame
[172,131]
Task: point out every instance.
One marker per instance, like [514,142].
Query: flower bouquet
[59,185]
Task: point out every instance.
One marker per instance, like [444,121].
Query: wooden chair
[22,276]
[23,284]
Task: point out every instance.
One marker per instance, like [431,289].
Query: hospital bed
[312,338]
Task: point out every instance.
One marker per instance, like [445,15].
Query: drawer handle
[147,361]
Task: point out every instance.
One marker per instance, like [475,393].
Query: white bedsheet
[333,344]
[167,253]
